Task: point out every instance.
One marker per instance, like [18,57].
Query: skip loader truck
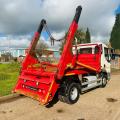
[80,68]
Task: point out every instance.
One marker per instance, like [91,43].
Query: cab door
[90,56]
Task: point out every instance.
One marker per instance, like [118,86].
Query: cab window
[96,50]
[85,51]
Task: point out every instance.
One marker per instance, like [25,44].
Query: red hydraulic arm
[31,50]
[67,56]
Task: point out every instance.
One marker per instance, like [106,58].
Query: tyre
[71,93]
[104,81]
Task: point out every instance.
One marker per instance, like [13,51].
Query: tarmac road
[97,104]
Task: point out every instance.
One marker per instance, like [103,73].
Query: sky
[118,9]
[19,19]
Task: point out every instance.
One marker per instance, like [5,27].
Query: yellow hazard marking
[46,98]
[86,66]
[69,74]
[69,65]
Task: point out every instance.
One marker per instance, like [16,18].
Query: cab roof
[91,44]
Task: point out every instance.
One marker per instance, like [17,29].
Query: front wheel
[104,81]
[71,94]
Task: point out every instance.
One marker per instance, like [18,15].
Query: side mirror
[112,54]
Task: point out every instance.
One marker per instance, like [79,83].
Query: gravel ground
[97,104]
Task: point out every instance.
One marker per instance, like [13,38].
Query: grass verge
[8,77]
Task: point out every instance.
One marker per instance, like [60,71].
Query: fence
[116,63]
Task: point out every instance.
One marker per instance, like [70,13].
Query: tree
[41,46]
[87,36]
[115,34]
[5,57]
[80,35]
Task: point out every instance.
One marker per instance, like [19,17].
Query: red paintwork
[67,56]
[41,81]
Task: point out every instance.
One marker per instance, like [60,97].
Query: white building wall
[14,52]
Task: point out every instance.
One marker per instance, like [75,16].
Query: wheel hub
[104,81]
[73,93]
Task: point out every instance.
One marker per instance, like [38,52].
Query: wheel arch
[65,88]
[105,74]
[72,78]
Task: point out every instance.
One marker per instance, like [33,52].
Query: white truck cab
[91,48]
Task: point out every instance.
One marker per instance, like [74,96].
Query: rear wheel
[69,93]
